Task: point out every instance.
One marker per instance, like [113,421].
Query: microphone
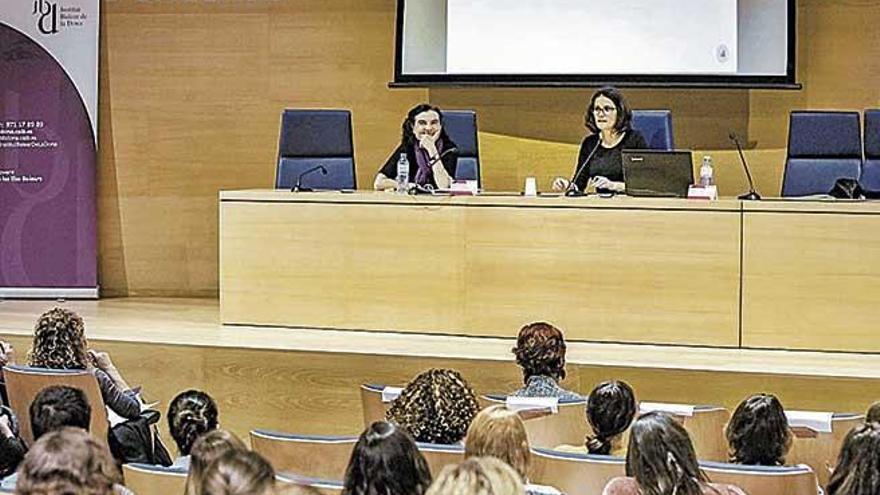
[572,190]
[298,186]
[441,155]
[752,195]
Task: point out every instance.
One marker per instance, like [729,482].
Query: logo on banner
[51,18]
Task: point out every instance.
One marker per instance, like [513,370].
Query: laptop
[657,173]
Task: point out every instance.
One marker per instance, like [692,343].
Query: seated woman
[858,464]
[873,414]
[207,449]
[431,154]
[191,414]
[437,406]
[540,352]
[611,408]
[477,476]
[660,460]
[758,432]
[239,472]
[60,343]
[500,433]
[386,461]
[609,120]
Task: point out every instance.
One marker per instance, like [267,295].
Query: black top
[607,162]
[450,160]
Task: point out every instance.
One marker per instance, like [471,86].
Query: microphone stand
[752,195]
[572,191]
[298,186]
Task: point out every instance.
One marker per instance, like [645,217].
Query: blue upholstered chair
[822,147]
[316,137]
[461,126]
[656,127]
[870,179]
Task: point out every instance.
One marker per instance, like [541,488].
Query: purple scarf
[424,173]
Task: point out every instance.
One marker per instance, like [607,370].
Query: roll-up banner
[48,148]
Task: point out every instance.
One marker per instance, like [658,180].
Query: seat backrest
[461,126]
[870,178]
[324,487]
[822,147]
[820,449]
[656,127]
[147,479]
[316,137]
[318,456]
[373,404]
[764,480]
[575,473]
[439,456]
[706,429]
[23,383]
[566,427]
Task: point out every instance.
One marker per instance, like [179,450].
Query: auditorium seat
[764,480]
[819,450]
[705,425]
[438,455]
[375,404]
[23,383]
[324,487]
[461,127]
[871,169]
[822,147]
[316,137]
[575,473]
[147,479]
[318,456]
[656,127]
[566,427]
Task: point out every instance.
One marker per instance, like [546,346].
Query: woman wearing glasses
[609,119]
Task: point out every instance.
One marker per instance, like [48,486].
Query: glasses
[604,110]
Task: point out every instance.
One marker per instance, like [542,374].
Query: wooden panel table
[621,269]
[811,275]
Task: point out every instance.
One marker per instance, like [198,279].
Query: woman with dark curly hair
[437,406]
[858,465]
[758,432]
[191,414]
[540,352]
[386,461]
[60,343]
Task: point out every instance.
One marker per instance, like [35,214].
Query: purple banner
[47,173]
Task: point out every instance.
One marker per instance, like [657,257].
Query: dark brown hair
[858,465]
[758,432]
[437,406]
[386,461]
[407,138]
[873,414]
[611,407]
[540,350]
[624,112]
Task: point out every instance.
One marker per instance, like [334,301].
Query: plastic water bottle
[707,173]
[402,174]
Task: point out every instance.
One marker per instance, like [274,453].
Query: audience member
[611,408]
[191,414]
[660,460]
[873,414]
[60,343]
[437,406]
[758,432]
[858,465]
[7,356]
[12,447]
[478,476]
[386,461]
[239,472]
[208,448]
[500,433]
[540,352]
[68,460]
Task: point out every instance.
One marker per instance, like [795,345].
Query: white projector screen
[656,42]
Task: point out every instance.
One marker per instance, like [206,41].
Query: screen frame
[787,81]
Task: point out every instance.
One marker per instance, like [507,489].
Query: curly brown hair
[59,341]
[437,406]
[68,460]
[540,351]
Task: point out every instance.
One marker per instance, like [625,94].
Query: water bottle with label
[707,173]
[402,174]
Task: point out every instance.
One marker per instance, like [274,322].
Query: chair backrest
[656,127]
[438,455]
[318,456]
[871,169]
[566,427]
[373,404]
[316,137]
[822,147]
[575,473]
[819,450]
[147,479]
[706,429]
[461,126]
[324,487]
[764,480]
[23,383]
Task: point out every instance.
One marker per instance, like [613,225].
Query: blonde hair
[239,472]
[208,448]
[437,406]
[68,460]
[501,433]
[478,476]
